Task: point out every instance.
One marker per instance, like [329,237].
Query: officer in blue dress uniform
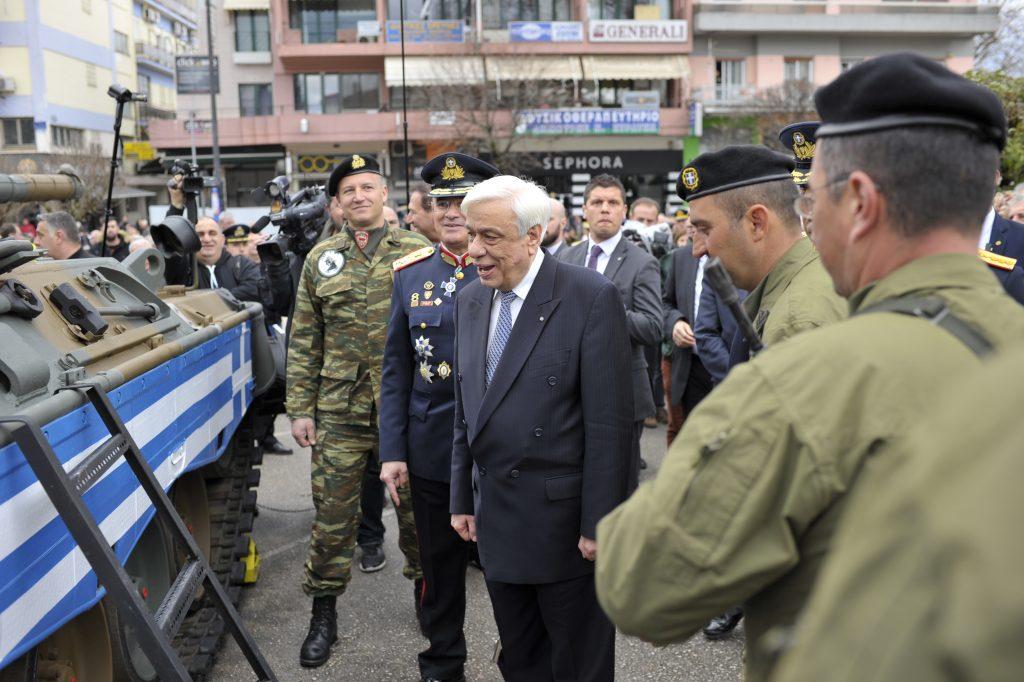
[417,412]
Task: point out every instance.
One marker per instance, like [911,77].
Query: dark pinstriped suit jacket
[542,454]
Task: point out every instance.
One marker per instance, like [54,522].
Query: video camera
[654,239]
[299,218]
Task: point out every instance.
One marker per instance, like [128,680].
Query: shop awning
[526,68]
[246,5]
[632,67]
[434,71]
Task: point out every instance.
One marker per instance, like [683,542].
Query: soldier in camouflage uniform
[334,376]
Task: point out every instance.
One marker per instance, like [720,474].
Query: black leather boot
[323,632]
[721,626]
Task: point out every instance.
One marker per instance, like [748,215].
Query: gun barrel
[39,187]
[719,280]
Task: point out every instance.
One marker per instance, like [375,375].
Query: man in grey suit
[636,275]
[543,410]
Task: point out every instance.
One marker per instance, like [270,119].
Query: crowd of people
[495,371]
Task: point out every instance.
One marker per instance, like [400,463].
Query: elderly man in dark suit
[543,430]
[636,275]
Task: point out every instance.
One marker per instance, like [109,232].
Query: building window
[332,93]
[497,14]
[798,70]
[90,75]
[730,78]
[630,9]
[121,43]
[252,32]
[320,20]
[19,132]
[441,10]
[69,138]
[610,93]
[256,99]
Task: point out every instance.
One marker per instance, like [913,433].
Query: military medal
[428,290]
[426,373]
[423,347]
[362,239]
[437,301]
[459,275]
[444,370]
[414,301]
[449,287]
[330,263]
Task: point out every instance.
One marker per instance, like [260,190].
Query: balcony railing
[155,56]
[147,112]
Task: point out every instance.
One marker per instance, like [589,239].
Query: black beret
[357,163]
[904,90]
[454,174]
[800,137]
[730,168]
[237,233]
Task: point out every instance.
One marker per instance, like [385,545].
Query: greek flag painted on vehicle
[182,414]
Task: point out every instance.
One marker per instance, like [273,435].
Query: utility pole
[213,105]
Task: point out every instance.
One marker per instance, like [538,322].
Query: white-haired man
[542,433]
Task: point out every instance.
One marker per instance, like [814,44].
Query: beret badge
[690,178]
[358,161]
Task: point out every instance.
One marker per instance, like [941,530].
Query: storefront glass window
[630,9]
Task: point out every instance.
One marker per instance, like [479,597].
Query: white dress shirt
[986,230]
[521,290]
[607,246]
[698,287]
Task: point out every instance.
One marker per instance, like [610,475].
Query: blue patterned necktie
[501,333]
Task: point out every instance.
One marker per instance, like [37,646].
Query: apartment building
[57,59]
[629,87]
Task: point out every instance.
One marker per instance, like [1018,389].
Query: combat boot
[323,632]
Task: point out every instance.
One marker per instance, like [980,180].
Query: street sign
[193,75]
[195,125]
[442,118]
[143,151]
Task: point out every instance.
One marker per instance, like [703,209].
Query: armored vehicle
[181,368]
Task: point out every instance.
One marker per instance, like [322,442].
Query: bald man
[391,218]
[552,240]
[218,269]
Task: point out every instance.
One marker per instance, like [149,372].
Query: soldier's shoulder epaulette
[414,257]
[996,260]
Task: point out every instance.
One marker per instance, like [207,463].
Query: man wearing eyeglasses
[746,503]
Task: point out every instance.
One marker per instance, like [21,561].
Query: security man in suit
[746,505]
[334,376]
[417,411]
[638,278]
[1001,247]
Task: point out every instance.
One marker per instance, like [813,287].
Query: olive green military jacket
[924,579]
[797,295]
[744,505]
[340,325]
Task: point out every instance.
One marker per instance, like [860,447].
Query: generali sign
[622,31]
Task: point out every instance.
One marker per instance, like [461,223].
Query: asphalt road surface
[378,638]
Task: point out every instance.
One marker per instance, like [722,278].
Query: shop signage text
[589,122]
[621,31]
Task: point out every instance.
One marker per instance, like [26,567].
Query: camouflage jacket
[340,325]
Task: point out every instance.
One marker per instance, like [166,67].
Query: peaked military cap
[237,233]
[906,90]
[357,163]
[732,167]
[682,213]
[454,174]
[799,138]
